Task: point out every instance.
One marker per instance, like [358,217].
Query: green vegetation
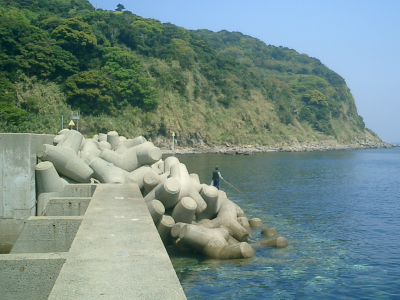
[140,76]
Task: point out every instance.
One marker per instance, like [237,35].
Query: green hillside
[139,76]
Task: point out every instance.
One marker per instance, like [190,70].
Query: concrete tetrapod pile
[187,213]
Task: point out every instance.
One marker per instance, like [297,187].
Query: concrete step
[47,234]
[29,276]
[66,206]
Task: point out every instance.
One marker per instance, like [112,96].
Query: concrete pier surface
[117,252]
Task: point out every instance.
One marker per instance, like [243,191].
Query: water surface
[339,211]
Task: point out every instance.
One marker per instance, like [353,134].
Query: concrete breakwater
[89,241]
[187,213]
[108,201]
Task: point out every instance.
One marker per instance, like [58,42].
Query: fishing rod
[236,188]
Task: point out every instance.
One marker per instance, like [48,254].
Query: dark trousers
[216,183]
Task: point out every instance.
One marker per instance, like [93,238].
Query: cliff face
[139,76]
[279,95]
[263,95]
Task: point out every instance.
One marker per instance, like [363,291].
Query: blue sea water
[339,211]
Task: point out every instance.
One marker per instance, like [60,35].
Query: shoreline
[296,147]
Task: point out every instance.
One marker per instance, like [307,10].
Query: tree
[9,111]
[129,81]
[120,7]
[142,34]
[183,51]
[64,62]
[315,98]
[77,37]
[90,92]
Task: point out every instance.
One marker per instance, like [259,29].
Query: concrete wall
[71,191]
[47,234]
[29,276]
[78,190]
[9,232]
[66,206]
[17,177]
[17,182]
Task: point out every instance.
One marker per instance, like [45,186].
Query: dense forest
[140,76]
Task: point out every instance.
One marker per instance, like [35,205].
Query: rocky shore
[284,147]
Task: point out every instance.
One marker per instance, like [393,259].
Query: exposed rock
[327,145]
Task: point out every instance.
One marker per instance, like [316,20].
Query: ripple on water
[339,211]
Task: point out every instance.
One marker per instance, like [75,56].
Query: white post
[173,140]
[62,122]
[75,116]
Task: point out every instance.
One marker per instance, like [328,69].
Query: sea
[339,210]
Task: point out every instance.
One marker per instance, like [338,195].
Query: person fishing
[216,176]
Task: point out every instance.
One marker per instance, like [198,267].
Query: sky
[358,39]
